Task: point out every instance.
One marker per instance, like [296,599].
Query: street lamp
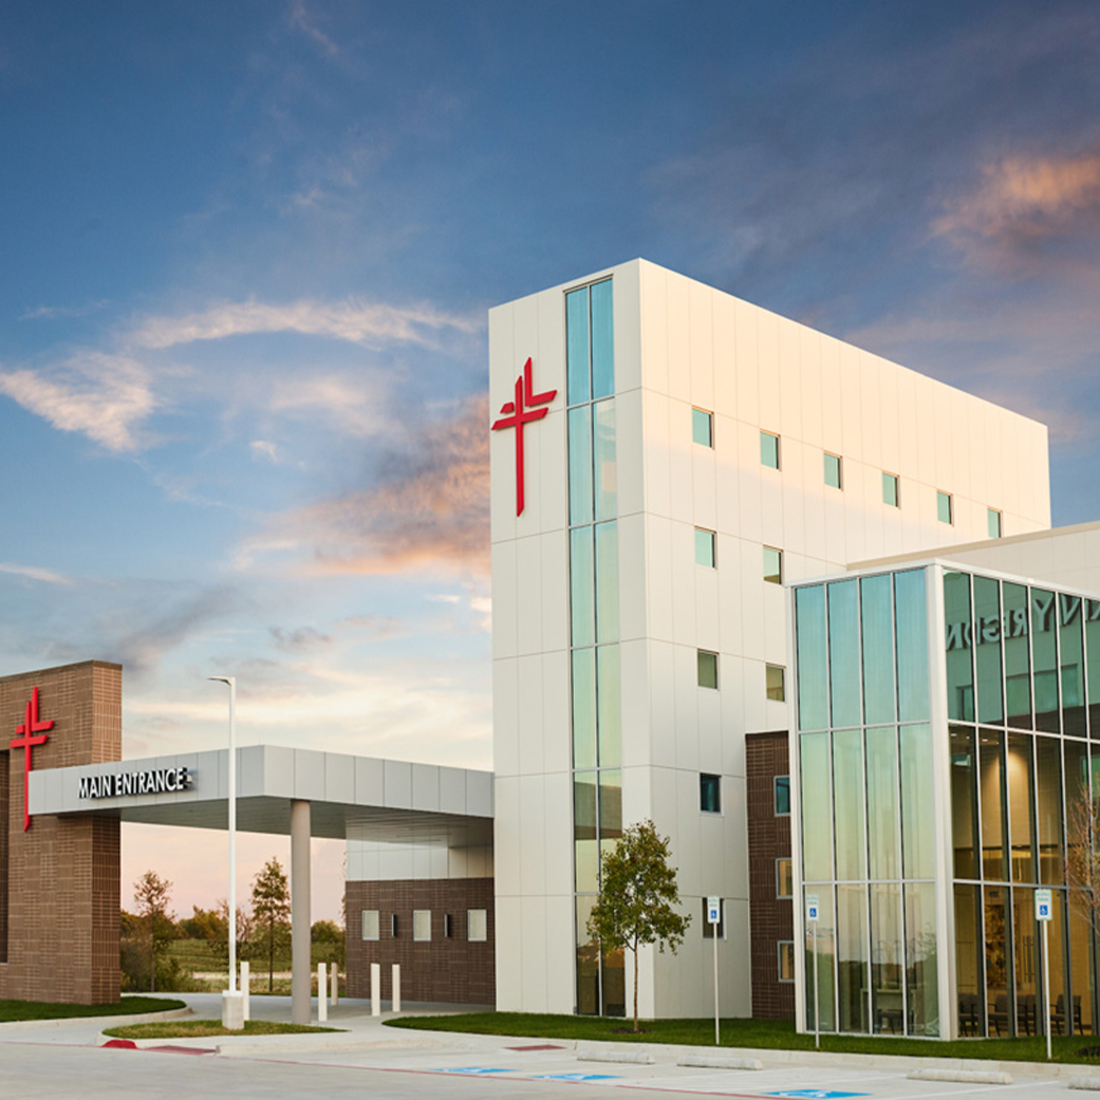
[233,1000]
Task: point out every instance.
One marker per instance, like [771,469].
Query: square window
[708,669]
[769,450]
[782,795]
[784,878]
[477,925]
[422,924]
[773,565]
[994,519]
[371,924]
[776,682]
[786,960]
[832,470]
[708,928]
[943,507]
[710,793]
[702,427]
[890,490]
[704,547]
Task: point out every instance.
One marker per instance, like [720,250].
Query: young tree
[1083,851]
[151,897]
[638,894]
[270,910]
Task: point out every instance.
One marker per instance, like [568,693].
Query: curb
[101,1021]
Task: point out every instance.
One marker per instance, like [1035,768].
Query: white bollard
[335,984]
[246,990]
[375,989]
[322,994]
[396,1005]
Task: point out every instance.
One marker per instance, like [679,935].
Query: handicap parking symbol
[575,1077]
[475,1070]
[815,1094]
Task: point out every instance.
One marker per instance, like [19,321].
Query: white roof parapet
[191,789]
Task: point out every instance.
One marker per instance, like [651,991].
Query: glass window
[820,941]
[968,960]
[782,795]
[810,649]
[784,878]
[576,339]
[987,650]
[582,586]
[1043,649]
[477,925]
[588,962]
[1092,651]
[708,928]
[707,668]
[994,520]
[887,1008]
[890,490]
[580,465]
[608,695]
[911,638]
[943,507]
[710,793]
[611,808]
[1021,805]
[786,960]
[921,973]
[1017,656]
[852,983]
[603,435]
[844,653]
[851,842]
[832,470]
[1048,817]
[448,930]
[882,801]
[584,708]
[776,682]
[422,924]
[817,841]
[958,633]
[773,565]
[769,450]
[1072,660]
[371,924]
[918,857]
[964,802]
[603,344]
[877,616]
[704,547]
[991,778]
[607,582]
[587,856]
[702,427]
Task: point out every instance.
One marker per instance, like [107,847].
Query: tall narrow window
[769,450]
[943,507]
[784,878]
[773,565]
[994,519]
[477,925]
[710,793]
[776,683]
[708,669]
[702,427]
[370,924]
[422,924]
[786,960]
[832,470]
[890,490]
[704,547]
[782,795]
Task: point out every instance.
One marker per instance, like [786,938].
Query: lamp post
[231,1003]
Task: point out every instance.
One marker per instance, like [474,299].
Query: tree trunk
[271,959]
[635,987]
[152,961]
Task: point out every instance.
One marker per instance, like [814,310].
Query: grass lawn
[200,1029]
[767,1034]
[46,1010]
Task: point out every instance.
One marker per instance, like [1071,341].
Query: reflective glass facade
[594,626]
[927,927]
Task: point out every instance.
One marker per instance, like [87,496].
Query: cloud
[1022,203]
[358,322]
[48,576]
[262,448]
[40,312]
[302,20]
[358,405]
[303,640]
[106,397]
[431,511]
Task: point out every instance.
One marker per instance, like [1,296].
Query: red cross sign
[31,726]
[519,412]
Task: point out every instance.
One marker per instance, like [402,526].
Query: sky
[245,261]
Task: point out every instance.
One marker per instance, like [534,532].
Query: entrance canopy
[395,799]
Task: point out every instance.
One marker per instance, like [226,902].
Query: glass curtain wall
[594,627]
[865,785]
[1023,674]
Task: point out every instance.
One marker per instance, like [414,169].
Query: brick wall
[771,919]
[4,786]
[453,970]
[62,875]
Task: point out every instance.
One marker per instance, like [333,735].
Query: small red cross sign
[25,739]
[517,413]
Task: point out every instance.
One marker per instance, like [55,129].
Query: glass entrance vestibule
[945,773]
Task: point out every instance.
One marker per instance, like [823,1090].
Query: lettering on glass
[517,413]
[31,733]
[1013,624]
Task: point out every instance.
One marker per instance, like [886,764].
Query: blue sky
[248,249]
